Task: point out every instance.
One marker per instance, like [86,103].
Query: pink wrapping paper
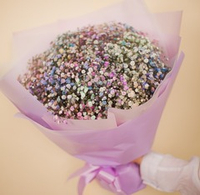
[110,144]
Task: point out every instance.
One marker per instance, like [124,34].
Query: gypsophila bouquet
[97,87]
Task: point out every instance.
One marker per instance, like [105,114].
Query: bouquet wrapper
[109,145]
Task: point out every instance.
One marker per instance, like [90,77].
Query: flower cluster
[86,72]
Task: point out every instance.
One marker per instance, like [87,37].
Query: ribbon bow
[122,179]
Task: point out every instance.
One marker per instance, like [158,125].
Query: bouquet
[98,92]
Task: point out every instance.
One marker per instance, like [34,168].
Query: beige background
[29,163]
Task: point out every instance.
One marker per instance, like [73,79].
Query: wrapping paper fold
[126,134]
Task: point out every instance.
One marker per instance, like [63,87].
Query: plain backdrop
[30,164]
